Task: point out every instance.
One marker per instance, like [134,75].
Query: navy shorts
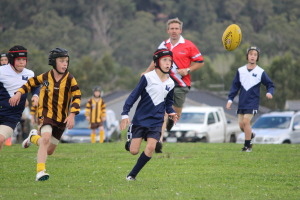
[246,111]
[8,122]
[143,132]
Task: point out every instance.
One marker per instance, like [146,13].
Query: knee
[50,152]
[45,141]
[134,151]
[151,148]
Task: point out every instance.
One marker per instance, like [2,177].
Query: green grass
[183,171]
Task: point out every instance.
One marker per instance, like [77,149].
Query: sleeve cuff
[125,116]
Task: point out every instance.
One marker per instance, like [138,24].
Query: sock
[143,159]
[101,136]
[247,143]
[34,139]
[40,167]
[93,137]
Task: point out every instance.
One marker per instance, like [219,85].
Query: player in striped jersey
[59,95]
[95,112]
[155,90]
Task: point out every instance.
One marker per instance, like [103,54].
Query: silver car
[80,133]
[275,128]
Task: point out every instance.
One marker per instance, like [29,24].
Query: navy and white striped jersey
[248,83]
[10,82]
[156,99]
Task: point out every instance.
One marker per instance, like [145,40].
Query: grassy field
[183,171]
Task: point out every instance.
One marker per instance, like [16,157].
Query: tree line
[112,42]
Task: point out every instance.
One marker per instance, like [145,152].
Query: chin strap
[58,71]
[16,69]
[163,71]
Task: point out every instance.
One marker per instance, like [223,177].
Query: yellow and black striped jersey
[55,96]
[33,110]
[95,110]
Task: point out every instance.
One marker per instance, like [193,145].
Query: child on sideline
[156,91]
[95,112]
[3,59]
[247,81]
[58,88]
[12,77]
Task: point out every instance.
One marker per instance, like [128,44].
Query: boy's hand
[174,117]
[228,105]
[70,121]
[124,123]
[269,96]
[35,100]
[15,100]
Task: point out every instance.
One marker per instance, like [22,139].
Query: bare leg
[2,140]
[43,144]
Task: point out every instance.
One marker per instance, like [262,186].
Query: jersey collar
[181,40]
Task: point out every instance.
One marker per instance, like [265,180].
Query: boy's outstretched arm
[15,100]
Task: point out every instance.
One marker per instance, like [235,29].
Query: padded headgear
[253,48]
[16,52]
[3,55]
[159,53]
[97,88]
[57,53]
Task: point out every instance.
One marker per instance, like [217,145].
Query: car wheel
[232,139]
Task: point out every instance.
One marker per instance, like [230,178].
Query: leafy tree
[136,43]
[205,76]
[285,74]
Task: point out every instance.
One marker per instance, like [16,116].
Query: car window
[192,118]
[272,122]
[211,118]
[81,122]
[296,120]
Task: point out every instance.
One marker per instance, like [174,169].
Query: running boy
[247,81]
[156,90]
[12,77]
[59,87]
[95,112]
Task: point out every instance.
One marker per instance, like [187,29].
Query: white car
[275,128]
[203,124]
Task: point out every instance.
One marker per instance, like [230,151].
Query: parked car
[275,128]
[80,133]
[203,124]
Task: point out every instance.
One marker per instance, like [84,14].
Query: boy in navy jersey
[247,81]
[156,90]
[12,76]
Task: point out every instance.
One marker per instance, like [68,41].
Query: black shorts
[8,122]
[246,111]
[96,125]
[144,132]
[58,128]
